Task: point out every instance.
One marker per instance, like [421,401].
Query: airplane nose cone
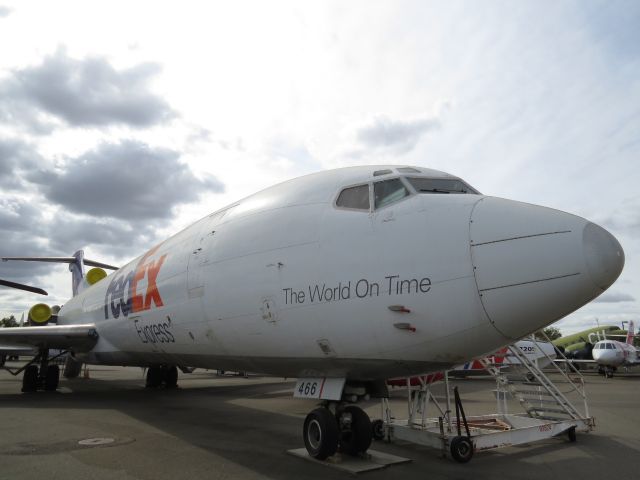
[535,265]
[603,255]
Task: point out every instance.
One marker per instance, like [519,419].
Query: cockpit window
[610,346]
[354,197]
[389,191]
[440,185]
[408,170]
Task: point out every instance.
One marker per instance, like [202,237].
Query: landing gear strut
[607,371]
[45,378]
[166,375]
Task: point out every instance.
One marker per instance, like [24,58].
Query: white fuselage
[611,353]
[286,282]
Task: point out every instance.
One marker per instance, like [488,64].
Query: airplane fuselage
[611,353]
[290,282]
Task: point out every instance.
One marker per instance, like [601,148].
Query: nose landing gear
[348,430]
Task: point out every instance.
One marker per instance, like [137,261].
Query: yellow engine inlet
[95,275]
[40,313]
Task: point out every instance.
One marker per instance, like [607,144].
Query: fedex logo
[127,291]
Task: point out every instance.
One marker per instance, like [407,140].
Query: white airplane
[611,354]
[342,279]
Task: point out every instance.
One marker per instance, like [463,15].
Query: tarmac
[230,427]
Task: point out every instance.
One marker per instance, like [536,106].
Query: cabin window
[354,197]
[440,185]
[388,192]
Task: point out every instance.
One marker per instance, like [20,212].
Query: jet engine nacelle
[40,314]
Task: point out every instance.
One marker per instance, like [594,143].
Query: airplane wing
[20,286]
[77,337]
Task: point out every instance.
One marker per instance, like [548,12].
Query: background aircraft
[611,354]
[542,353]
[341,279]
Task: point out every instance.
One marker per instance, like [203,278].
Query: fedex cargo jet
[342,279]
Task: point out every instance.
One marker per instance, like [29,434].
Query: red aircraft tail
[631,333]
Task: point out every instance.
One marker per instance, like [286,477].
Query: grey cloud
[400,136]
[23,232]
[16,157]
[82,93]
[114,239]
[614,297]
[16,215]
[129,181]
[4,11]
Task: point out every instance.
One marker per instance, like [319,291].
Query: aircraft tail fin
[76,267]
[631,333]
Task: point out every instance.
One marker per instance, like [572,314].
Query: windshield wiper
[438,190]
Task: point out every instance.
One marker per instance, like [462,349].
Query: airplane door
[199,258]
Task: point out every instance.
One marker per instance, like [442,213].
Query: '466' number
[308,389]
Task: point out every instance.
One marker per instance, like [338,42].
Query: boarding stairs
[538,395]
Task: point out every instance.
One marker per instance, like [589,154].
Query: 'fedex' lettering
[124,296]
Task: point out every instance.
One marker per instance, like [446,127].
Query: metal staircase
[540,397]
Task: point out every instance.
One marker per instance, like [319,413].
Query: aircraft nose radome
[534,265]
[603,255]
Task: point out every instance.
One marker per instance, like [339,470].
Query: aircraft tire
[52,378]
[461,449]
[30,379]
[320,433]
[72,367]
[571,433]
[358,438]
[377,429]
[154,377]
[3,359]
[170,376]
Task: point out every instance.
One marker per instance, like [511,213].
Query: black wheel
[3,358]
[52,378]
[377,429]
[170,377]
[320,433]
[72,367]
[30,379]
[154,377]
[571,433]
[356,439]
[461,449]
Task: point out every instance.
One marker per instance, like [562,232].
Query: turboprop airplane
[611,354]
[341,279]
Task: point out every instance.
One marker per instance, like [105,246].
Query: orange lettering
[152,288]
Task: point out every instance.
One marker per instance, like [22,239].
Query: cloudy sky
[122,122]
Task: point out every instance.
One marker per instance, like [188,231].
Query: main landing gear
[337,427]
[607,371]
[43,377]
[162,375]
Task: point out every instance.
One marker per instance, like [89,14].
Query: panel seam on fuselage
[521,237]
[532,281]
